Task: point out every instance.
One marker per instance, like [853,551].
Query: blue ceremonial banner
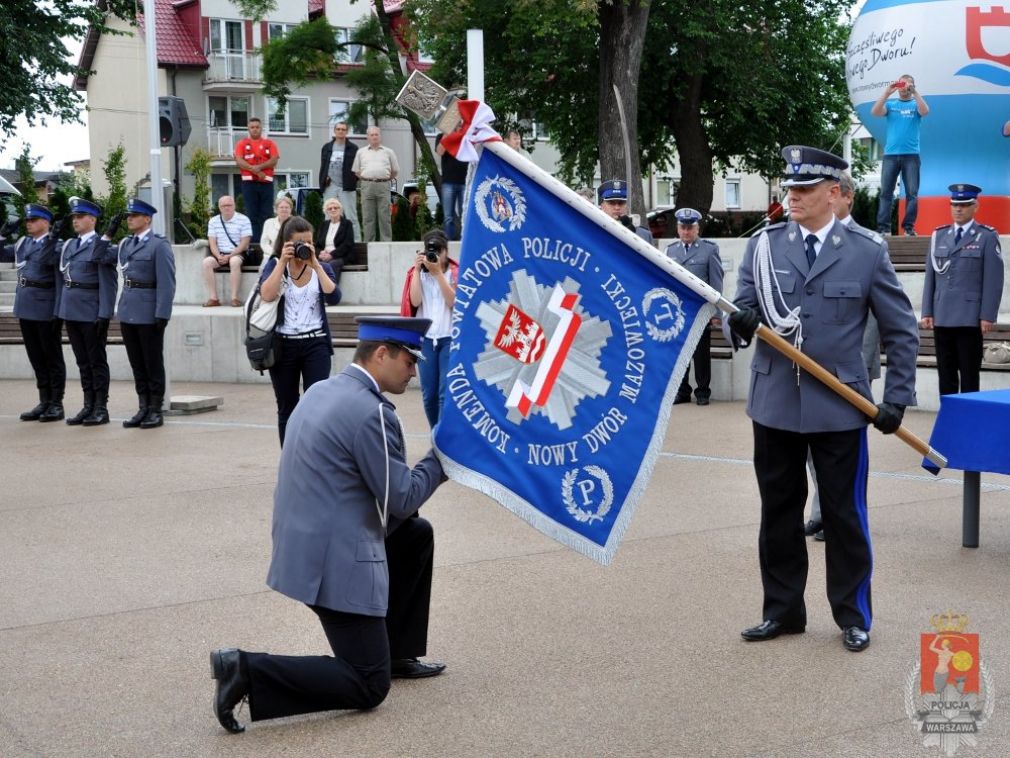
[570,337]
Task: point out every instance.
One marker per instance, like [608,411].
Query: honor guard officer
[814,280]
[613,200]
[701,258]
[86,296]
[360,561]
[961,296]
[34,256]
[148,267]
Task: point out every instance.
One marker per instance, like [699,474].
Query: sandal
[236,303]
[212,303]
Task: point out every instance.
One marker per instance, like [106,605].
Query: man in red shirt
[256,156]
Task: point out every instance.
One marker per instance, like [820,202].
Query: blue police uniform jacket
[148,279]
[86,264]
[971,286]
[701,259]
[328,538]
[851,275]
[36,263]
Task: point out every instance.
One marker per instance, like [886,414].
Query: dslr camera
[431,251]
[303,252]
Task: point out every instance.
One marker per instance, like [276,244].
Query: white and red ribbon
[476,129]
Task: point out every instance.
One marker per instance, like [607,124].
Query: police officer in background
[613,199]
[361,560]
[701,258]
[34,255]
[814,280]
[85,299]
[145,307]
[961,296]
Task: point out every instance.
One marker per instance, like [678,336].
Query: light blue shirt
[903,121]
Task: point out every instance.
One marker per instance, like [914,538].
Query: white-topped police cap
[687,216]
[962,194]
[404,331]
[81,207]
[615,189]
[138,206]
[34,210]
[808,165]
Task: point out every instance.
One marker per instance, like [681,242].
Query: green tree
[24,165]
[198,209]
[403,224]
[35,64]
[313,209]
[114,167]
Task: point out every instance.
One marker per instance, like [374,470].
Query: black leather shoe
[411,668]
[769,629]
[819,537]
[812,527]
[702,401]
[54,412]
[855,639]
[232,686]
[39,410]
[680,400]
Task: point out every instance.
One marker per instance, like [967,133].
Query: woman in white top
[431,288]
[307,286]
[284,208]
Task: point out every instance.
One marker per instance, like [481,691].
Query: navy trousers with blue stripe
[841,462]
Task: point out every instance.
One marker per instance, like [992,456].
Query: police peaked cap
[404,331]
[138,206]
[963,193]
[34,210]
[81,207]
[687,216]
[808,165]
[615,189]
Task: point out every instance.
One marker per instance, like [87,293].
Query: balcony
[221,142]
[233,71]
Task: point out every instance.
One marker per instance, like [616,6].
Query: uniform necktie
[811,240]
[957,235]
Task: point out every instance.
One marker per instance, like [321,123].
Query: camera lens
[302,251]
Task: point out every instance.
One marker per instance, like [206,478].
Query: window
[294,120]
[226,36]
[349,53]
[423,56]
[666,191]
[224,184]
[228,112]
[290,180]
[276,30]
[732,193]
[872,148]
[339,110]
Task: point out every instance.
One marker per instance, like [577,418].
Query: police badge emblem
[500,204]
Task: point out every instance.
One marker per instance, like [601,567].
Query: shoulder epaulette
[992,229]
[945,226]
[862,231]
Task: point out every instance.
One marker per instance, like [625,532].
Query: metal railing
[221,140]
[233,66]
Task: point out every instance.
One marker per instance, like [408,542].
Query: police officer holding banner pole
[962,292]
[813,280]
[145,306]
[35,257]
[701,258]
[85,299]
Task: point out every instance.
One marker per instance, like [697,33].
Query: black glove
[57,230]
[161,323]
[889,417]
[102,324]
[114,222]
[745,322]
[627,223]
[9,228]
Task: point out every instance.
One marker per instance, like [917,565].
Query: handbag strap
[252,304]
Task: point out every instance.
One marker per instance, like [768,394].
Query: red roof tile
[315,6]
[176,46]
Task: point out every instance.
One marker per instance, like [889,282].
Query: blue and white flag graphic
[570,337]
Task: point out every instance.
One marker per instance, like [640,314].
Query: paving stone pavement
[126,555]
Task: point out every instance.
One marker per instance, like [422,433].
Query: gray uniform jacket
[871,337]
[35,296]
[701,259]
[328,541]
[86,281]
[851,276]
[149,263]
[970,288]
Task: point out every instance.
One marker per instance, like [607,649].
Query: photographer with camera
[306,286]
[901,151]
[429,292]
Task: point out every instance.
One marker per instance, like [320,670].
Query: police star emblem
[949,692]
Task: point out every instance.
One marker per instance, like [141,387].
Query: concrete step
[7,286]
[6,301]
[8,274]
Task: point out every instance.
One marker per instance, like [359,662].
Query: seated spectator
[229,235]
[335,238]
[284,208]
[309,285]
[430,292]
